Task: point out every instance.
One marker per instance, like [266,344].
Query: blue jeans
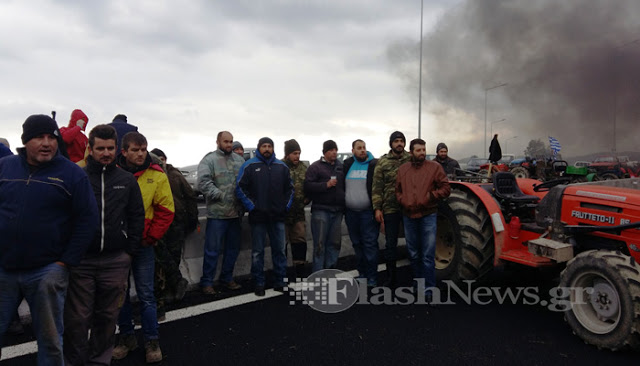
[392,224]
[326,230]
[45,289]
[363,232]
[143,268]
[222,236]
[420,235]
[259,233]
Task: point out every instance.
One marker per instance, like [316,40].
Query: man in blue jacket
[265,189]
[48,217]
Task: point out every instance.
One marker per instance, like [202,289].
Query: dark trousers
[168,256]
[96,293]
[392,224]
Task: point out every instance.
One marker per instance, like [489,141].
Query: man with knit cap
[238,148]
[359,216]
[5,148]
[73,135]
[48,217]
[265,189]
[217,173]
[324,185]
[122,128]
[449,165]
[295,227]
[383,197]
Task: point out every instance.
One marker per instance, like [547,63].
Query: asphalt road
[270,331]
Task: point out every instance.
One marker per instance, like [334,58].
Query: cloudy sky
[311,70]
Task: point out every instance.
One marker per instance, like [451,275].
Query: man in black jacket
[265,189]
[97,285]
[324,184]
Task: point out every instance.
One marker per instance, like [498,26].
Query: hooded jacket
[265,189]
[419,187]
[119,206]
[73,136]
[122,128]
[217,174]
[47,213]
[156,198]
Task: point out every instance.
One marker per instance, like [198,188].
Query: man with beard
[217,174]
[383,197]
[295,228]
[98,284]
[265,189]
[449,165]
[159,212]
[359,217]
[419,186]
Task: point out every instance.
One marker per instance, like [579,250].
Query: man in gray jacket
[217,174]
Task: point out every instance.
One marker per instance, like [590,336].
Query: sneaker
[208,290]
[15,328]
[259,291]
[126,343]
[181,289]
[152,350]
[232,285]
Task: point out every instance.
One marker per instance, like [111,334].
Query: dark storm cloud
[571,67]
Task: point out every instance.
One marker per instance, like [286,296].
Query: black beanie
[121,117]
[291,146]
[441,146]
[395,136]
[159,153]
[265,140]
[38,124]
[329,145]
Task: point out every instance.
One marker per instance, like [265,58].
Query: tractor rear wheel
[608,176]
[520,172]
[465,249]
[603,290]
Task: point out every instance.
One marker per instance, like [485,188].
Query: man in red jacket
[73,135]
[420,184]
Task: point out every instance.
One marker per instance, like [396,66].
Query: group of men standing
[63,227]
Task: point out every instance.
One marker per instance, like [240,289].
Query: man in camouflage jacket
[217,174]
[295,227]
[383,196]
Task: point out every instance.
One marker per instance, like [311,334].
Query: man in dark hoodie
[265,189]
[324,185]
[122,128]
[48,217]
[449,165]
[73,135]
[359,216]
[98,284]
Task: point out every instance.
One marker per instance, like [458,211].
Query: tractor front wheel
[602,288]
[520,172]
[608,176]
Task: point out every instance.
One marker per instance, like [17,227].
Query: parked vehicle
[610,167]
[474,164]
[190,173]
[581,163]
[587,231]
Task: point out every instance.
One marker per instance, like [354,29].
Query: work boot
[181,289]
[126,343]
[392,275]
[15,327]
[300,271]
[231,285]
[152,350]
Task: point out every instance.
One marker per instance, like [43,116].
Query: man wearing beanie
[383,197]
[449,165]
[5,149]
[122,128]
[295,228]
[265,189]
[217,173]
[238,148]
[49,215]
[324,185]
[74,137]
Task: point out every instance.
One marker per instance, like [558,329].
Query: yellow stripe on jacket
[158,202]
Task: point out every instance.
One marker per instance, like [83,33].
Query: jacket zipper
[104,168]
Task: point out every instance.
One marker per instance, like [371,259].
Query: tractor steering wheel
[545,186]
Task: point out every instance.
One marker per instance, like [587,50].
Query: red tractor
[589,231]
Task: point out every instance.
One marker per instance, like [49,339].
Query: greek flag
[555,145]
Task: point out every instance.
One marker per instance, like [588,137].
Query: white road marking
[23,349]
